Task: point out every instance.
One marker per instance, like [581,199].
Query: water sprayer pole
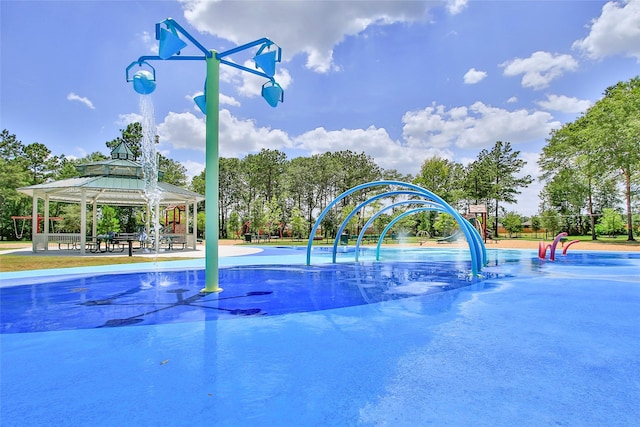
[212,179]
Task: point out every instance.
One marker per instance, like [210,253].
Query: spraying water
[150,167]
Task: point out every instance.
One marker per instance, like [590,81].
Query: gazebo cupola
[123,152]
[122,163]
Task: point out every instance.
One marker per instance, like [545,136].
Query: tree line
[587,166]
[266,192]
[592,164]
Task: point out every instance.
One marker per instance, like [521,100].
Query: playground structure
[420,200]
[174,222]
[477,216]
[560,238]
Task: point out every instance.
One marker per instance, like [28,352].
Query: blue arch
[473,231]
[362,205]
[434,206]
[476,246]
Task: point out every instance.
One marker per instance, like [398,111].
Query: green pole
[212,180]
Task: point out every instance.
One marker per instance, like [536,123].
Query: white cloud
[223,99]
[456,6]
[229,100]
[476,126]
[432,131]
[616,31]
[73,97]
[474,76]
[540,68]
[312,28]
[376,142]
[183,131]
[125,119]
[251,84]
[236,137]
[149,41]
[512,100]
[564,104]
[193,168]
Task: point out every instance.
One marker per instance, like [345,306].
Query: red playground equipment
[542,247]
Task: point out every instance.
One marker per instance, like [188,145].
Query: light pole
[144,82]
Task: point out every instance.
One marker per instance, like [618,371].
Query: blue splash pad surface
[539,343]
[174,296]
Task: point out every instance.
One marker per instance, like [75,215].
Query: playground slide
[455,236]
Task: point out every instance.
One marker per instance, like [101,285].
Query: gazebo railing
[43,241]
[63,240]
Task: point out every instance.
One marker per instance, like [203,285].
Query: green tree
[354,222]
[512,222]
[445,224]
[201,221]
[13,174]
[572,170]
[610,223]
[229,193]
[536,224]
[301,184]
[550,220]
[502,166]
[67,169]
[298,225]
[350,169]
[615,129]
[265,171]
[172,172]
[477,183]
[258,217]
[273,216]
[198,185]
[443,178]
[108,221]
[40,162]
[233,225]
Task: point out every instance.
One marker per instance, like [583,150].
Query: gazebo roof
[118,181]
[109,190]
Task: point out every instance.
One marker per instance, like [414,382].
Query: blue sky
[401,81]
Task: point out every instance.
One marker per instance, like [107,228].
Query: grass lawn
[9,262]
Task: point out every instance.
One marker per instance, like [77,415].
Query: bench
[179,241]
[171,243]
[69,242]
[69,245]
[91,245]
[370,238]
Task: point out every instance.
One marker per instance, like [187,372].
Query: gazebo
[118,181]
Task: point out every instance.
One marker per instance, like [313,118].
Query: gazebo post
[46,222]
[94,218]
[195,225]
[83,221]
[34,222]
[156,241]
